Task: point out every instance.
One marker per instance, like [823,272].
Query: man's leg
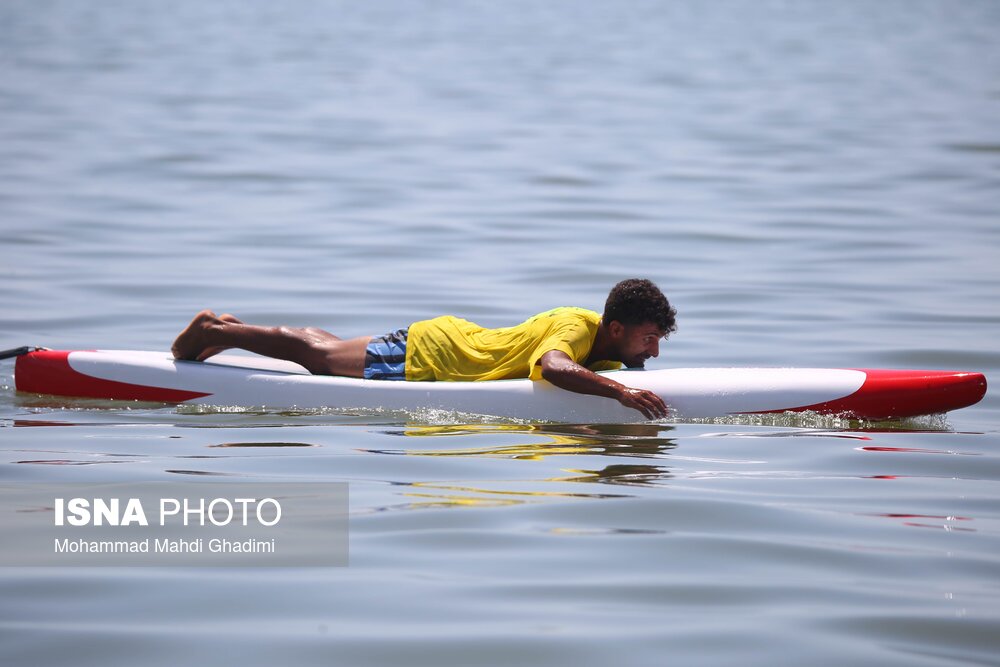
[320,352]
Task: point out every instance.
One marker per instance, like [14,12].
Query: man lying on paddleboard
[564,346]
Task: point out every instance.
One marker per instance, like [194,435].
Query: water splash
[816,420]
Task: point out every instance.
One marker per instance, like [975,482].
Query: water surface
[811,184]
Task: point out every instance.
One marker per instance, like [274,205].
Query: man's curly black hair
[636,301]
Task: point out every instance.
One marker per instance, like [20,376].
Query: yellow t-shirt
[450,348]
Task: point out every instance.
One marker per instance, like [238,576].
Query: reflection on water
[915,450]
[628,475]
[633,440]
[264,444]
[28,423]
[464,495]
[556,439]
[790,433]
[65,462]
[604,531]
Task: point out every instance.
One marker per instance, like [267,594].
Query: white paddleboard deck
[252,381]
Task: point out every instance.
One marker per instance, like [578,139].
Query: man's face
[637,342]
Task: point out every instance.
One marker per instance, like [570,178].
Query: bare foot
[193,344]
[212,351]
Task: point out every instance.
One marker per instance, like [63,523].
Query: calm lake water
[812,184]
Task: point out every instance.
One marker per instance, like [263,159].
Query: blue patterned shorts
[385,357]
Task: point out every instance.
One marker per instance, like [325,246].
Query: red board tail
[49,372]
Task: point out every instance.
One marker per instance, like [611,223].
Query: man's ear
[616,329]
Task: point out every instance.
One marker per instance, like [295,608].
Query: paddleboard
[251,381]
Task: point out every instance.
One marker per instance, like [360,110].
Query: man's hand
[563,372]
[645,401]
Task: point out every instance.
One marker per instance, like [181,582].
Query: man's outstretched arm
[559,369]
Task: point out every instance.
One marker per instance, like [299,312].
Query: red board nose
[888,394]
